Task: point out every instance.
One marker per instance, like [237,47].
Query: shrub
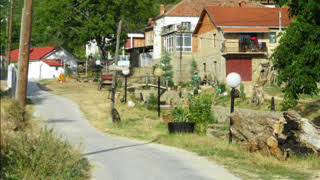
[27,156]
[152,102]
[13,114]
[180,114]
[167,68]
[201,111]
[242,93]
[221,88]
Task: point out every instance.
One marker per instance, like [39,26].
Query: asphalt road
[115,158]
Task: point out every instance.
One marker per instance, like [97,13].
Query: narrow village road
[115,158]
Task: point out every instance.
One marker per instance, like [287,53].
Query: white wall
[165,21]
[66,57]
[39,70]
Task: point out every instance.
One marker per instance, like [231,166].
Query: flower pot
[181,127]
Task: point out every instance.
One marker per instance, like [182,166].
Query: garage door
[241,66]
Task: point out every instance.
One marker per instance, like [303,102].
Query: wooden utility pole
[9,29]
[114,77]
[24,49]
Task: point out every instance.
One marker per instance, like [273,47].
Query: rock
[131,104]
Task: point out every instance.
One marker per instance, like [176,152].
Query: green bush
[201,111]
[242,93]
[221,88]
[44,156]
[14,114]
[165,64]
[180,114]
[152,102]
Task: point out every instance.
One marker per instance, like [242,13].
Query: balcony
[244,47]
[184,27]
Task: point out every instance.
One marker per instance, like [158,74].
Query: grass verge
[30,152]
[140,123]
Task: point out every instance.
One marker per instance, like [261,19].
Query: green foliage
[221,88]
[297,57]
[152,102]
[180,114]
[167,68]
[201,111]
[42,157]
[242,93]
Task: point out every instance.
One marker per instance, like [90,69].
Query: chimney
[162,9]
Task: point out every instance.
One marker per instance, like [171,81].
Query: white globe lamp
[233,80]
[98,62]
[126,71]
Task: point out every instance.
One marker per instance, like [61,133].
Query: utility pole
[114,76]
[24,51]
[9,29]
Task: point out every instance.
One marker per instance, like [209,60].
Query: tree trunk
[276,135]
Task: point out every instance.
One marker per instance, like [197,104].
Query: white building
[44,63]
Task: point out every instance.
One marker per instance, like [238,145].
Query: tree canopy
[297,58]
[72,23]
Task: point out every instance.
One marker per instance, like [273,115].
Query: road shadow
[53,121]
[118,148]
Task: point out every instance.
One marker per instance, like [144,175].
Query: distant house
[44,63]
[233,39]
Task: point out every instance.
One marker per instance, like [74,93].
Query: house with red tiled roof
[44,63]
[241,40]
[175,24]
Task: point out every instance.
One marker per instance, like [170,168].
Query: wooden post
[114,85]
[9,29]
[24,49]
[231,111]
[158,107]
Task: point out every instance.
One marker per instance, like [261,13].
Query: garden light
[233,80]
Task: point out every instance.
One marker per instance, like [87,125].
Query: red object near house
[242,66]
[106,77]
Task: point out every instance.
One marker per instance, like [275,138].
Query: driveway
[115,158]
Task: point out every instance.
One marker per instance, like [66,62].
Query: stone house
[234,39]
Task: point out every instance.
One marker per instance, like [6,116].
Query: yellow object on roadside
[61,78]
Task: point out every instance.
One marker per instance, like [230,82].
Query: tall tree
[297,58]
[72,23]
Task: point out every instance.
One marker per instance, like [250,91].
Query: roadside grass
[143,124]
[31,152]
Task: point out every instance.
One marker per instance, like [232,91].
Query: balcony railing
[237,47]
[177,27]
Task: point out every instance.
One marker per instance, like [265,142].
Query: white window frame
[184,47]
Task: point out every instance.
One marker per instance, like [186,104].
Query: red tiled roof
[53,62]
[236,16]
[36,54]
[193,8]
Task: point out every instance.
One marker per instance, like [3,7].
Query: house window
[273,37]
[168,43]
[184,42]
[186,26]
[56,68]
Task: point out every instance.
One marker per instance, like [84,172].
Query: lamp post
[125,72]
[158,72]
[233,80]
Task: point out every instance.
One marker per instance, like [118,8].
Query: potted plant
[181,121]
